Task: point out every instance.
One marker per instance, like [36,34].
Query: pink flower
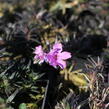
[56,57]
[39,54]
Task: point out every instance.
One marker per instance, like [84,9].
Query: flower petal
[38,50]
[39,55]
[57,46]
[50,58]
[64,55]
[35,57]
[61,63]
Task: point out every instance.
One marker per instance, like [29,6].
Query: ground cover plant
[54,54]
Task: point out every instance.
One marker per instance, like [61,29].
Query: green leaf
[67,106]
[10,98]
[22,106]
[2,100]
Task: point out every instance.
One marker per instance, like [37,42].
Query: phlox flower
[56,57]
[39,55]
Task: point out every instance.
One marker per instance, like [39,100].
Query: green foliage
[22,106]
[76,77]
